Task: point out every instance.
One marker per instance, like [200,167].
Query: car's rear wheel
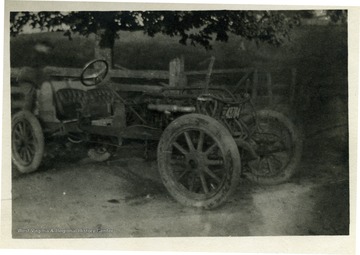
[279,145]
[27,140]
[199,161]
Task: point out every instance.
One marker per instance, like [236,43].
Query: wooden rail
[220,71]
[75,73]
[176,76]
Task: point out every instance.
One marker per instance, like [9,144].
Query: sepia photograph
[179,122]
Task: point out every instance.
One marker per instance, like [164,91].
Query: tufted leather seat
[97,102]
[100,94]
[68,102]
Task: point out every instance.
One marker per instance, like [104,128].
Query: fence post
[182,75]
[269,87]
[255,84]
[292,85]
[242,80]
[174,72]
[208,74]
[177,76]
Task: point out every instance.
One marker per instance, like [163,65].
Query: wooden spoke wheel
[198,161]
[27,142]
[279,146]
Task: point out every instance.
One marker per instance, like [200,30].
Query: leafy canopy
[194,27]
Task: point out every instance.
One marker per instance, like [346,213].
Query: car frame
[207,137]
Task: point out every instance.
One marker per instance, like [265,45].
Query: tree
[194,27]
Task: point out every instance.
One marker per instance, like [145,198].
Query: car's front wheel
[27,142]
[199,161]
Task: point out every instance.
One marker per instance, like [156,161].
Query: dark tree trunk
[104,46]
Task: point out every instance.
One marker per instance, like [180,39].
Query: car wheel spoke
[180,148]
[31,148]
[188,141]
[203,182]
[17,132]
[210,149]
[183,174]
[178,162]
[213,162]
[211,174]
[191,185]
[201,141]
[28,155]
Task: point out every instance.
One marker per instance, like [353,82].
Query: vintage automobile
[207,137]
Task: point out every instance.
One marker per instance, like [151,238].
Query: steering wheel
[94,72]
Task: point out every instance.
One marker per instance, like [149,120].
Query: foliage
[337,16]
[194,27]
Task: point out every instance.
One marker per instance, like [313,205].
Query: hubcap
[193,164]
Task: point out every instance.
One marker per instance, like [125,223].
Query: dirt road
[74,197]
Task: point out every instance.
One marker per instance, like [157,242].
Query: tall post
[292,85]
[183,78]
[255,84]
[174,72]
[208,74]
[269,87]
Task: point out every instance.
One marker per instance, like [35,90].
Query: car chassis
[200,132]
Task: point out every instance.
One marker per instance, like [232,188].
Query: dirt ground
[70,196]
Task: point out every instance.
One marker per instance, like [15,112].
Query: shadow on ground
[72,197]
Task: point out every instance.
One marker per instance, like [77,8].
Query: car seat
[100,102]
[68,102]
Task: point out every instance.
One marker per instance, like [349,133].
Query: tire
[198,160]
[279,145]
[99,154]
[27,142]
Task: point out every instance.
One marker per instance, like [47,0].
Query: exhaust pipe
[171,108]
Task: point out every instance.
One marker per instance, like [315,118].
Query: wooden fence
[257,82]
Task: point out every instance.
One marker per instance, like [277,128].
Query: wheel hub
[195,160]
[193,164]
[22,143]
